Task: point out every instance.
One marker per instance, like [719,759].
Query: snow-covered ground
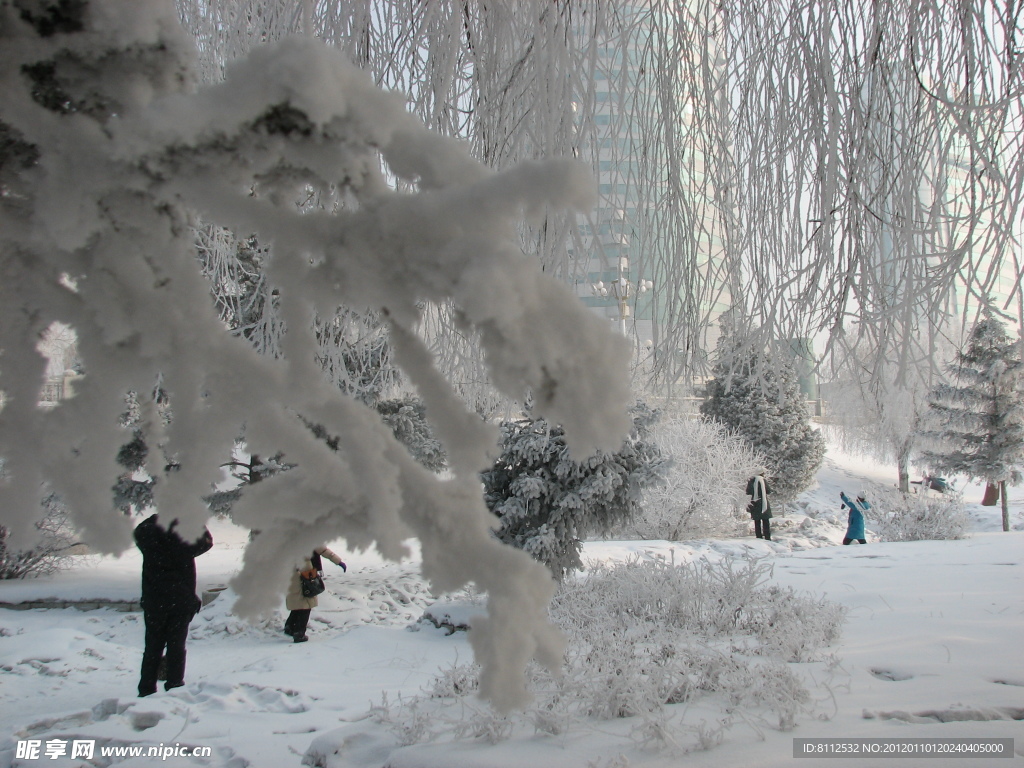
[931,648]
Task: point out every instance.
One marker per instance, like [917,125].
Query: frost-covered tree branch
[108,154]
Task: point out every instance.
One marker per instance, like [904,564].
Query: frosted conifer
[755,394]
[977,420]
[548,501]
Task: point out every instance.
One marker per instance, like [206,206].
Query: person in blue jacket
[855,522]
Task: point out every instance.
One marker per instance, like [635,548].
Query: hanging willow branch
[807,162]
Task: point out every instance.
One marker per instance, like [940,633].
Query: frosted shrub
[723,598]
[918,517]
[52,552]
[644,636]
[703,491]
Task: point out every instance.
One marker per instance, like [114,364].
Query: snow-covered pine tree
[755,393]
[133,493]
[246,469]
[976,421]
[407,418]
[130,493]
[548,502]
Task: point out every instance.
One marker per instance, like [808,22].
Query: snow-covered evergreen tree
[407,418]
[245,469]
[547,501]
[133,491]
[130,492]
[976,421]
[754,393]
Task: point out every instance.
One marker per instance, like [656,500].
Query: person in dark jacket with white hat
[759,507]
[169,600]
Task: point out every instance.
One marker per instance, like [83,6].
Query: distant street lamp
[622,290]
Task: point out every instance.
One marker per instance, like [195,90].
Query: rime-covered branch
[108,152]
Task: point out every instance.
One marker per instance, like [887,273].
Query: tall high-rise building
[651,251]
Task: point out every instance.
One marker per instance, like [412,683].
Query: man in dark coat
[759,507]
[169,598]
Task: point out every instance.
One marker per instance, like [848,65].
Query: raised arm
[330,555]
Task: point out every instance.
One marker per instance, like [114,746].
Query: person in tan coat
[298,605]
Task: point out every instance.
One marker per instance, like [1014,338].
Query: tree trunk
[1006,508]
[991,495]
[903,471]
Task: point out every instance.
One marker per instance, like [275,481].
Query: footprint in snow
[890,675]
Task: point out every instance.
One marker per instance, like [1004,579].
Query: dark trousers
[763,528]
[164,629]
[295,624]
[847,541]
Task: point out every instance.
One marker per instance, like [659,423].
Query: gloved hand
[343,567]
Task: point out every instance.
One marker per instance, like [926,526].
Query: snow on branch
[107,154]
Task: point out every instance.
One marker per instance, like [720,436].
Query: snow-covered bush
[548,501]
[51,553]
[645,636]
[919,516]
[703,492]
[109,152]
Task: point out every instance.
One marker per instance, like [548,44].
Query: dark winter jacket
[169,567]
[759,508]
[855,524]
